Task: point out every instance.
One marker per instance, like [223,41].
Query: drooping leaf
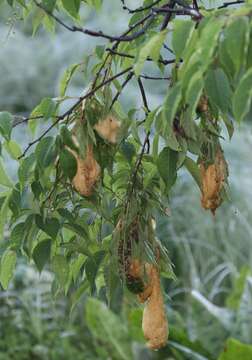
[7,267]
[152,49]
[69,72]
[235,350]
[92,266]
[170,107]
[60,267]
[4,178]
[41,253]
[167,166]
[193,169]
[243,96]
[235,41]
[108,328]
[13,148]
[218,89]
[45,152]
[68,163]
[72,7]
[182,31]
[50,226]
[6,120]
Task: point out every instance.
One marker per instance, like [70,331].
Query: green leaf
[72,7]
[234,299]
[151,48]
[41,253]
[4,178]
[218,89]
[49,4]
[243,96]
[15,202]
[194,91]
[193,169]
[182,31]
[45,152]
[128,150]
[92,266]
[209,40]
[45,109]
[7,267]
[67,77]
[235,350]
[68,163]
[17,235]
[235,41]
[108,328]
[6,120]
[13,149]
[170,108]
[167,166]
[50,226]
[25,168]
[61,269]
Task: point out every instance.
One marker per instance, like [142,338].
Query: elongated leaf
[152,49]
[167,166]
[13,148]
[243,96]
[4,178]
[108,328]
[193,92]
[72,7]
[68,163]
[236,41]
[235,350]
[193,169]
[6,120]
[61,269]
[41,253]
[218,89]
[170,108]
[8,264]
[67,77]
[45,152]
[92,266]
[182,32]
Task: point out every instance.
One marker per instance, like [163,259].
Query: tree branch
[231,3]
[69,111]
[141,8]
[161,61]
[129,77]
[183,11]
[101,34]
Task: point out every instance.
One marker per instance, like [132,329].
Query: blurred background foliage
[210,301]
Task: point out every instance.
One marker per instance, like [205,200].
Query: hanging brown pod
[108,128]
[88,173]
[213,178]
[154,323]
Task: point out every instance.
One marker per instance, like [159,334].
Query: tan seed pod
[108,129]
[213,178]
[88,173]
[154,324]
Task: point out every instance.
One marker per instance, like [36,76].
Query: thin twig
[161,61]
[147,77]
[129,77]
[226,4]
[141,8]
[69,111]
[183,11]
[101,34]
